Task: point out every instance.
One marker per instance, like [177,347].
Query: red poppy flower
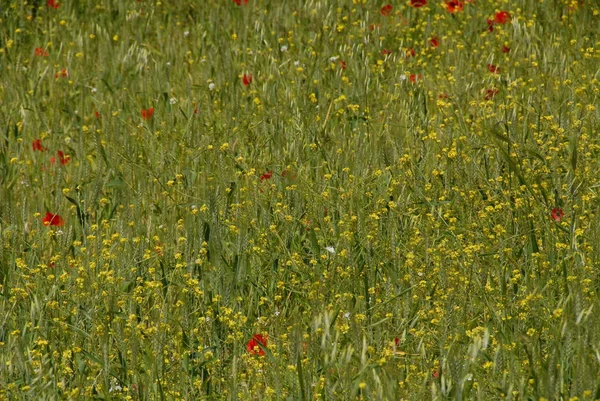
[386,52]
[37,145]
[494,69]
[502,17]
[386,10]
[418,3]
[41,52]
[490,25]
[505,49]
[240,2]
[557,214]
[64,159]
[97,114]
[52,4]
[62,73]
[436,374]
[147,113]
[247,79]
[410,52]
[434,42]
[490,93]
[343,65]
[415,77]
[397,341]
[267,175]
[443,96]
[256,344]
[454,6]
[52,220]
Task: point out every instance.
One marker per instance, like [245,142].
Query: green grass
[394,240]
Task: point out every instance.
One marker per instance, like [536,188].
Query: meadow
[299,200]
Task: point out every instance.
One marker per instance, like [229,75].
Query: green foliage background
[385,219]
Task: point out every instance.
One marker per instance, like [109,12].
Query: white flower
[347,315]
[297,63]
[94,90]
[173,100]
[402,77]
[115,386]
[334,58]
[186,33]
[284,48]
[330,249]
[211,86]
[168,63]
